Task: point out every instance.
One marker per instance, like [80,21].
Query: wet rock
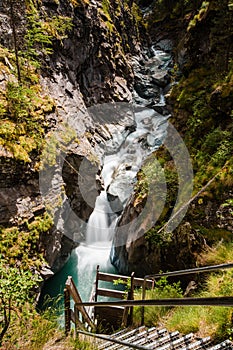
[161,79]
[46,272]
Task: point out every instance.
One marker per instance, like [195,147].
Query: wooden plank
[138,282]
[67,311]
[73,290]
[111,293]
[108,277]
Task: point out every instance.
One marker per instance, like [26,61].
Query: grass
[31,330]
[216,322]
[161,290]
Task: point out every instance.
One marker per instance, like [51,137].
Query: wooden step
[122,337]
[199,344]
[140,337]
[111,293]
[164,340]
[225,345]
[137,337]
[130,338]
[152,335]
[185,340]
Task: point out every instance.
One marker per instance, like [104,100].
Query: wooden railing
[74,316]
[129,303]
[127,318]
[148,281]
[179,273]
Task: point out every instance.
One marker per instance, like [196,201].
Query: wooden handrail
[211,301]
[70,315]
[111,293]
[191,271]
[71,291]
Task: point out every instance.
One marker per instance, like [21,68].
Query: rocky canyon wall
[89,65]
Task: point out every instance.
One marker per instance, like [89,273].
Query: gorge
[78,89]
[123,156]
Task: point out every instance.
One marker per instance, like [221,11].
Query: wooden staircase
[143,338]
[97,316]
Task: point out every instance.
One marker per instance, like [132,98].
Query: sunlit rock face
[88,67]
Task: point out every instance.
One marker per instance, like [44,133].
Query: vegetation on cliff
[33,31]
[23,109]
[201,100]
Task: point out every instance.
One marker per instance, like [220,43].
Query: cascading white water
[98,229]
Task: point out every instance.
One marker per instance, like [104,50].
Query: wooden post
[67,311]
[143,298]
[97,283]
[131,297]
[76,319]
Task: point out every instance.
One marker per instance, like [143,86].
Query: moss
[157,171]
[23,108]
[19,244]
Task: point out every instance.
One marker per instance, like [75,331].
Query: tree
[16,288]
[11,7]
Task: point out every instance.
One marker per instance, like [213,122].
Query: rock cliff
[201,106]
[88,65]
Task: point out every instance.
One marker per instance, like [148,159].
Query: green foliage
[15,290]
[19,260]
[158,179]
[214,146]
[172,9]
[160,239]
[36,38]
[162,289]
[57,27]
[41,32]
[35,331]
[218,254]
[116,17]
[213,321]
[199,16]
[20,244]
[22,111]
[23,105]
[126,284]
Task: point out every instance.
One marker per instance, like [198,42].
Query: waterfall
[98,228]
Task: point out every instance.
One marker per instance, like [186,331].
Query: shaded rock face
[95,53]
[19,192]
[138,254]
